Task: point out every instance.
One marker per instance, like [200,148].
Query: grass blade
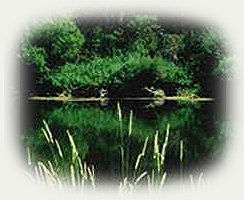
[140,177]
[48,131]
[60,153]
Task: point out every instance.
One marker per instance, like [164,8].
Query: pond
[126,138]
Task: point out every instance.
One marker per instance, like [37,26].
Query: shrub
[35,56]
[167,71]
[93,74]
[60,39]
[114,72]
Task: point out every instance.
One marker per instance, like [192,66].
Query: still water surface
[99,134]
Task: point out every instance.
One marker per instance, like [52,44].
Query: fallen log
[92,99]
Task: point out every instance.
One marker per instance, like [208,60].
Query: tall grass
[147,168]
[181,159]
[129,181]
[51,172]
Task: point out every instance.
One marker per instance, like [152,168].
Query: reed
[60,152]
[181,160]
[121,147]
[72,175]
[75,153]
[140,177]
[80,174]
[141,155]
[181,150]
[48,134]
[29,157]
[153,180]
[162,180]
[130,123]
[129,183]
[49,138]
[165,144]
[159,156]
[128,144]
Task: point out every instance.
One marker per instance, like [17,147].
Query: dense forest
[122,54]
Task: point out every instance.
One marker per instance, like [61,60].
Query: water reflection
[98,133]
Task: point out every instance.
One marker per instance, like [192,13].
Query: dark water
[99,134]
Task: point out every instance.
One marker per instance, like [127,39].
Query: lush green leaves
[35,56]
[61,40]
[115,71]
[145,33]
[111,55]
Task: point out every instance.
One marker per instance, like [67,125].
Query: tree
[59,41]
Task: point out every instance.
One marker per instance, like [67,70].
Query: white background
[224,182]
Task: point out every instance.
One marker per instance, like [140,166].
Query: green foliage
[35,56]
[95,129]
[187,92]
[61,40]
[171,45]
[133,64]
[99,72]
[67,42]
[222,69]
[191,52]
[102,41]
[169,72]
[43,151]
[201,50]
[95,73]
[94,123]
[111,55]
[145,32]
[211,42]
[115,71]
[69,56]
